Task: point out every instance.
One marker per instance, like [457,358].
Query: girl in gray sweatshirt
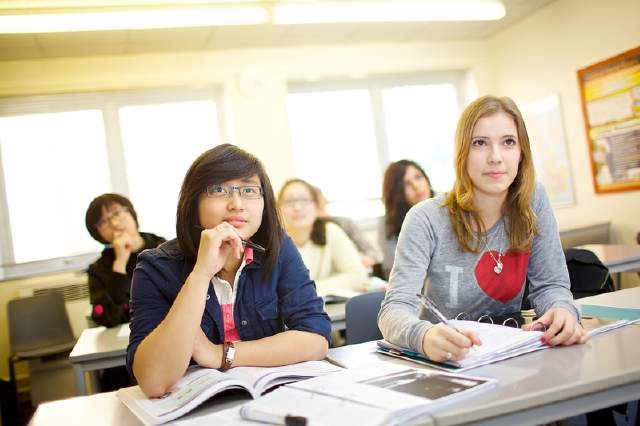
[472,250]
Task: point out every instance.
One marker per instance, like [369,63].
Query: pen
[430,305]
[254,246]
[334,361]
[251,413]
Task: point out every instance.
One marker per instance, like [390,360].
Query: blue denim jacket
[262,308]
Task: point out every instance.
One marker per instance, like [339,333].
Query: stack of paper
[498,343]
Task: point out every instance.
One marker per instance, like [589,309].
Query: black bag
[587,274]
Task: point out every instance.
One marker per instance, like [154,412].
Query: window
[46,193]
[333,131]
[176,133]
[344,134]
[58,152]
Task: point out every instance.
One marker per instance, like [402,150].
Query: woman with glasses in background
[112,221]
[231,289]
[332,258]
[405,184]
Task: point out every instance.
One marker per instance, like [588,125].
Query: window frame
[108,103]
[375,85]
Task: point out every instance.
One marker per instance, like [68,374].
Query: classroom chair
[40,333]
[361,317]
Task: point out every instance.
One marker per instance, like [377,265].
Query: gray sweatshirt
[428,260]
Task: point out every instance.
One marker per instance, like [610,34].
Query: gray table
[99,348]
[617,257]
[96,349]
[536,388]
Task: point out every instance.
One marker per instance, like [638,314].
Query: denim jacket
[262,307]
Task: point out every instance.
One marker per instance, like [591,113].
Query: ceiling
[123,42]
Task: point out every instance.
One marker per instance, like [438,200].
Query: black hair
[100,203]
[395,203]
[217,165]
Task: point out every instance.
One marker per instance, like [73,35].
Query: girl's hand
[122,247]
[216,244]
[562,328]
[443,343]
[206,353]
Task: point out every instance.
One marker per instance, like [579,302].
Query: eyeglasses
[250,192]
[302,202]
[113,214]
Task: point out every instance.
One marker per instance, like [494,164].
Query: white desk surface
[616,257]
[98,342]
[627,298]
[535,388]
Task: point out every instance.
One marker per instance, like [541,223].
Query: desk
[576,379]
[617,257]
[336,315]
[100,347]
[96,349]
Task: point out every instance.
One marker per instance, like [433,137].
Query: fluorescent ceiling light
[132,20]
[387,11]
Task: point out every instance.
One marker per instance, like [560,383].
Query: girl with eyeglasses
[208,297]
[472,249]
[405,184]
[332,258]
[112,221]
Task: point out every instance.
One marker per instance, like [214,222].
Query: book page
[264,378]
[198,385]
[497,339]
[371,383]
[381,393]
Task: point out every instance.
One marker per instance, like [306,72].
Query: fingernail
[543,340]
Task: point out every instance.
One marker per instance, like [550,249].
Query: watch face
[231,353]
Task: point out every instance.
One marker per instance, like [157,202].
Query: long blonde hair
[522,225]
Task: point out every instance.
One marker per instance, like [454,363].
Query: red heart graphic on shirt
[506,285]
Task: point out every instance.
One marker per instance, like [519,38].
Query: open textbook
[498,342]
[377,394]
[200,384]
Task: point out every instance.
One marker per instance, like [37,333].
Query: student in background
[475,246]
[207,297]
[332,258]
[405,184]
[368,253]
[112,221]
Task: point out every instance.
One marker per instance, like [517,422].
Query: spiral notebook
[498,342]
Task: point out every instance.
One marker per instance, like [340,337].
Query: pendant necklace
[498,262]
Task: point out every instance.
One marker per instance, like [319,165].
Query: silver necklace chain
[498,262]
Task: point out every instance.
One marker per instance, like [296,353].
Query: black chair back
[587,274]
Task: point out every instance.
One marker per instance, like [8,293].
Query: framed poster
[549,148]
[610,92]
